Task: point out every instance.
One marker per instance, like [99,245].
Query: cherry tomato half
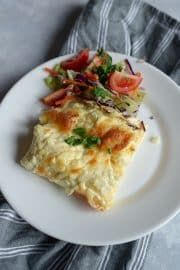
[77,62]
[124,83]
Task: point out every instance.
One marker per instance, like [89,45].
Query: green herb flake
[109,150]
[73,140]
[81,137]
[80,131]
[91,141]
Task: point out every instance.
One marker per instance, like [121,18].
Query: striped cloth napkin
[125,26]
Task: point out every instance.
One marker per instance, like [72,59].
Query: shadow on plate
[24,140]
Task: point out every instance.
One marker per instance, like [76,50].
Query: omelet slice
[92,171]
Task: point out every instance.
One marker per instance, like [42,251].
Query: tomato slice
[124,83]
[77,62]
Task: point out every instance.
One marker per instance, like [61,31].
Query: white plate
[149,195]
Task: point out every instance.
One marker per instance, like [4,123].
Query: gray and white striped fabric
[133,28]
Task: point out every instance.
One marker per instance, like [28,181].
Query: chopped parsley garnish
[109,150]
[82,138]
[90,141]
[73,140]
[80,131]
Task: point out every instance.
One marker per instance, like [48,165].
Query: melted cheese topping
[92,173]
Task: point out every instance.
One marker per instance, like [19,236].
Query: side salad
[97,79]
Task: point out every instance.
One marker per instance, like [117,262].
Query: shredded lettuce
[71,74]
[103,72]
[107,67]
[139,96]
[100,92]
[119,66]
[105,57]
[53,83]
[126,103]
[60,70]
